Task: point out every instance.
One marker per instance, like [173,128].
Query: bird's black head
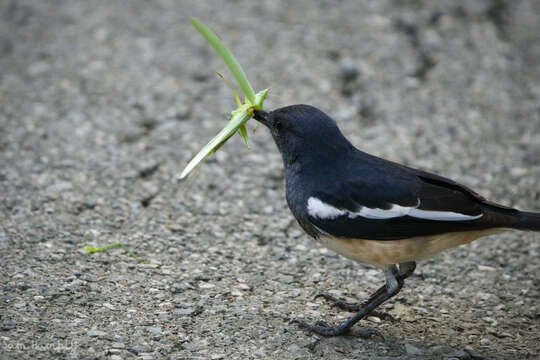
[303,133]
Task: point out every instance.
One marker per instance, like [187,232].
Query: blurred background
[102,103]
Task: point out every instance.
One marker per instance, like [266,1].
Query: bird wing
[389,201]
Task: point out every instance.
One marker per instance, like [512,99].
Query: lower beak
[261,116]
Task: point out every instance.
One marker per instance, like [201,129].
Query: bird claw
[321,328]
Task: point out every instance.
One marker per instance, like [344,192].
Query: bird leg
[405,270]
[394,282]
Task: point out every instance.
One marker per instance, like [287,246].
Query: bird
[372,210]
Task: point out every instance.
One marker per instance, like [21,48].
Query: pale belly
[385,252]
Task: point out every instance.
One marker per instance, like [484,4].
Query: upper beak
[261,116]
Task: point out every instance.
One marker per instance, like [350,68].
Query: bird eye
[278,125]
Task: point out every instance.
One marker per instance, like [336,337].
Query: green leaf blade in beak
[228,57]
[236,121]
[243,133]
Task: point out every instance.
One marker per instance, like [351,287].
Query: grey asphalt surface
[103,103]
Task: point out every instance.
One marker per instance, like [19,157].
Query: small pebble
[156,330]
[97,333]
[348,68]
[186,311]
[413,350]
[3,240]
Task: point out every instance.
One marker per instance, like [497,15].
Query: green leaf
[241,115]
[228,57]
[237,98]
[243,133]
[93,249]
[239,118]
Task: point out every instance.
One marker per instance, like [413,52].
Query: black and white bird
[372,210]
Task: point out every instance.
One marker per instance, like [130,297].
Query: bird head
[303,132]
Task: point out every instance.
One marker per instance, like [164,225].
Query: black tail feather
[528,221]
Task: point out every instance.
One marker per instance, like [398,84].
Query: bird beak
[261,116]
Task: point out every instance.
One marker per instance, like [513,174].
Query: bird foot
[353,307]
[324,329]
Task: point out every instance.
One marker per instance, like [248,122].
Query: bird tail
[528,221]
[506,217]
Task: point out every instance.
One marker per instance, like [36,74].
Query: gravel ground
[102,103]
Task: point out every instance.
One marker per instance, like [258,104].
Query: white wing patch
[318,209]
[442,215]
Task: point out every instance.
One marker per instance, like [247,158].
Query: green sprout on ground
[93,249]
[240,115]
